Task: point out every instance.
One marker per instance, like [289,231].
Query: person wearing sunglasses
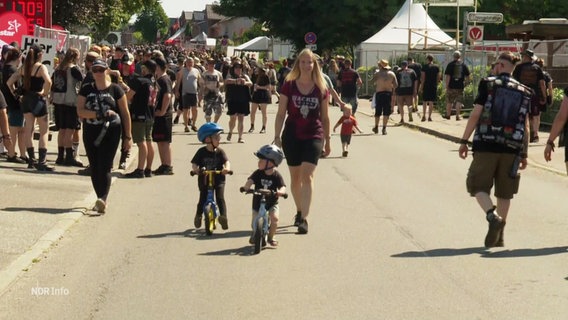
[104,108]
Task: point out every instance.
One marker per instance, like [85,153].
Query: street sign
[485,17]
[475,33]
[310,38]
[312,47]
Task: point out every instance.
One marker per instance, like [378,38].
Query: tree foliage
[344,23]
[151,20]
[96,17]
[335,22]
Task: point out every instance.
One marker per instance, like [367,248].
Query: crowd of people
[117,97]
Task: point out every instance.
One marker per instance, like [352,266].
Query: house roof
[212,15]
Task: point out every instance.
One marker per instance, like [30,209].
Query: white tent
[424,33]
[256,44]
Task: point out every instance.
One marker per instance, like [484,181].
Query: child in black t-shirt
[267,177]
[211,157]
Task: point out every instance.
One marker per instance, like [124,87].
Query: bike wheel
[258,236]
[209,215]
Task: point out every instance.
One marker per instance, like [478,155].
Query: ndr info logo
[49,291]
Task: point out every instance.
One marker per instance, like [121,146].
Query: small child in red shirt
[347,122]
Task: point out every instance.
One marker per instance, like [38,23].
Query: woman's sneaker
[138,173]
[303,227]
[164,170]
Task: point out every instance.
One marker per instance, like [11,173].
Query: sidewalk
[37,208]
[452,130]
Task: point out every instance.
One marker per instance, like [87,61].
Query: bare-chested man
[385,85]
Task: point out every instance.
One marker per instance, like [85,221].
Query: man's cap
[128,59]
[404,63]
[457,54]
[529,53]
[92,55]
[100,63]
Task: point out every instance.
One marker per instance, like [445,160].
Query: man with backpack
[500,144]
[64,88]
[455,77]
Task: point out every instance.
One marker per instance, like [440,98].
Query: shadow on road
[442,252]
[519,253]
[198,234]
[483,252]
[44,210]
[242,251]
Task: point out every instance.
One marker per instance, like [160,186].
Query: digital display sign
[35,11]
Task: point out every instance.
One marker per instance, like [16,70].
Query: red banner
[13,26]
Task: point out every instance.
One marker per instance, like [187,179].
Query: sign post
[485,17]
[310,38]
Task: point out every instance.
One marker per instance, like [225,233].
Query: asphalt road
[393,235]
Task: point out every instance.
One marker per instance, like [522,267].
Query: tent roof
[256,44]
[414,17]
[202,37]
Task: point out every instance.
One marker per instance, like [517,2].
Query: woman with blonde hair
[304,104]
[36,85]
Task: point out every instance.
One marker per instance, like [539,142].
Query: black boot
[60,156]
[42,161]
[70,158]
[31,157]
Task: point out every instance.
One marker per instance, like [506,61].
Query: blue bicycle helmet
[207,130]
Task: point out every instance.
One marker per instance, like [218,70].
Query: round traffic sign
[310,38]
[475,33]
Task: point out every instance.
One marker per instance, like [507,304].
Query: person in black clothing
[162,129]
[418,71]
[211,157]
[268,178]
[530,74]
[104,108]
[15,115]
[142,96]
[36,86]
[237,95]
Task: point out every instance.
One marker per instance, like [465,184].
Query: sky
[173,8]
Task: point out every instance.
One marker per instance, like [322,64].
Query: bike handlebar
[203,171]
[261,192]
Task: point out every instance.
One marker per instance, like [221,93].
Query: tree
[151,20]
[96,17]
[336,23]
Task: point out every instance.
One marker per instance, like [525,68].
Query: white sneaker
[100,207]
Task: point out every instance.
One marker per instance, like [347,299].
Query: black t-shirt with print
[139,108]
[210,160]
[102,100]
[457,71]
[264,181]
[164,84]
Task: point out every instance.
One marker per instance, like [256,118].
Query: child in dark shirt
[211,157]
[267,177]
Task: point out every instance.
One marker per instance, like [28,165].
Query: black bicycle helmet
[207,130]
[270,152]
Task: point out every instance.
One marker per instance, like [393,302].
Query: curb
[454,139]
